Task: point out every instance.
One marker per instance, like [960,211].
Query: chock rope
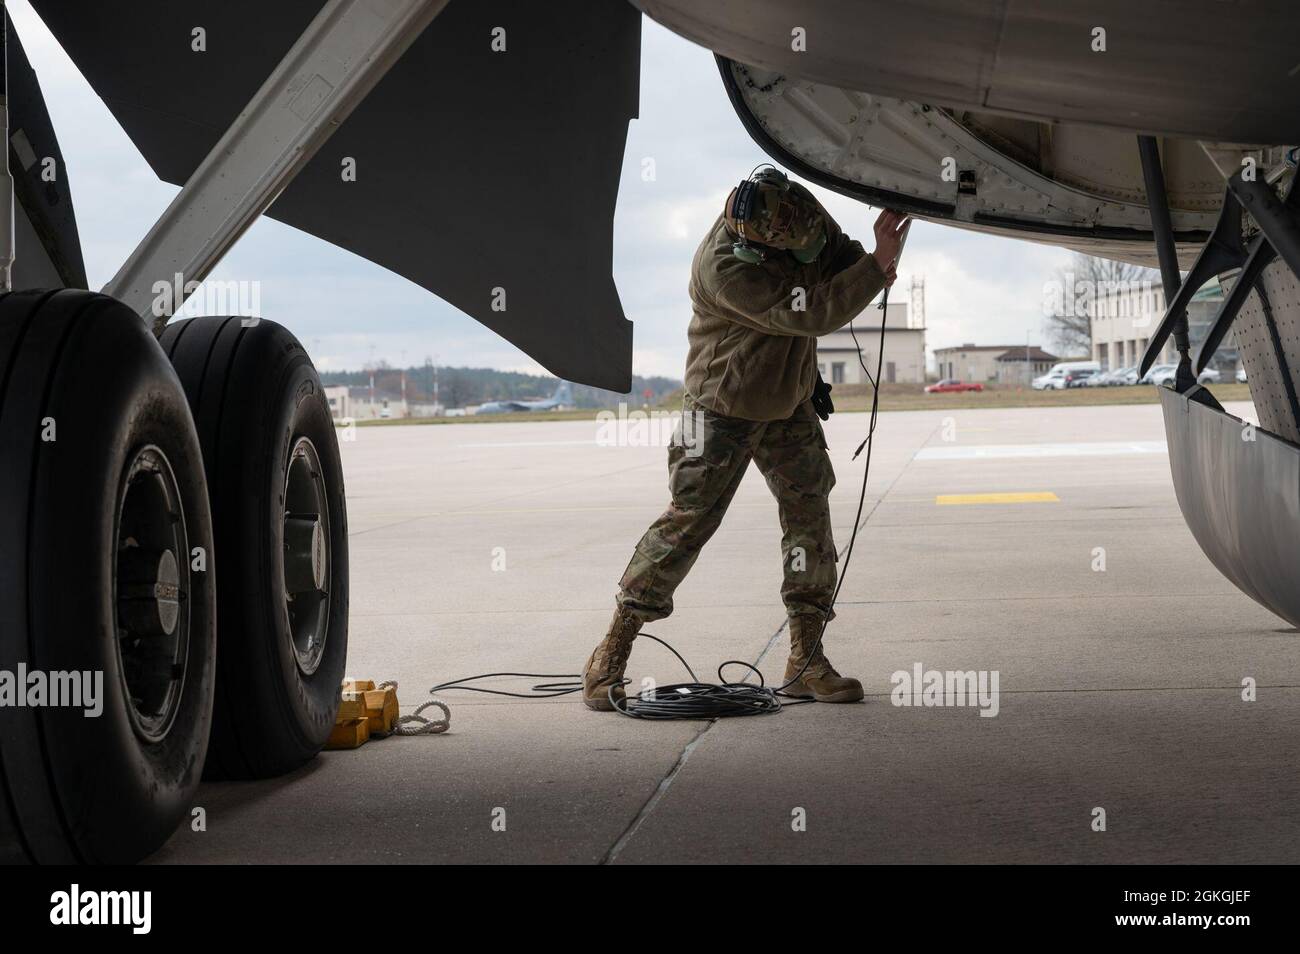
[416,724]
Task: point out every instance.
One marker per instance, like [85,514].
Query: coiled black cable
[679,700]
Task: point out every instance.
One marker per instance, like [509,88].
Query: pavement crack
[772,642]
[666,782]
[655,797]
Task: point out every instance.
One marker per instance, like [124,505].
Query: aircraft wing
[1204,69]
[476,170]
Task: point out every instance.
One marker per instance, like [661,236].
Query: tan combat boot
[607,662]
[819,681]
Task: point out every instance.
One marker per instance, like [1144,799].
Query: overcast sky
[346,310]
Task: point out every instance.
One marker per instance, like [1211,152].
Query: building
[1122,321]
[904,357]
[339,400]
[366,403]
[967,362]
[983,363]
[1020,365]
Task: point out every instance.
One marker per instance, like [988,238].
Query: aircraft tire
[105,542]
[276,485]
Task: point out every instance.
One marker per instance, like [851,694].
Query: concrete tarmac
[1120,655]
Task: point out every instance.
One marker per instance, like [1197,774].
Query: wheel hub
[151,585]
[148,591]
[306,555]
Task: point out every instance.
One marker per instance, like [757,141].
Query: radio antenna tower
[916,313]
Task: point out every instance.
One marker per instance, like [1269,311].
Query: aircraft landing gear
[276,485]
[107,590]
[1237,483]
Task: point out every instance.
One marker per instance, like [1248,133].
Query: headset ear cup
[746,254]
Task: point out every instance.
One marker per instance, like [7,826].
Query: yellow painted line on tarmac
[1037,496]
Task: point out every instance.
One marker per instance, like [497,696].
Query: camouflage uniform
[751,371]
[706,462]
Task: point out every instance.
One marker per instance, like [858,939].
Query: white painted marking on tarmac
[1008,451]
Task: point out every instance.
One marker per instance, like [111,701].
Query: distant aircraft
[563,395]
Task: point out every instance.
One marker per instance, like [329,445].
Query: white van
[1055,378]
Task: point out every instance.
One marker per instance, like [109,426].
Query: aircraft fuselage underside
[1086,188]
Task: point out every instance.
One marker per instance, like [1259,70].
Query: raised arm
[755,297]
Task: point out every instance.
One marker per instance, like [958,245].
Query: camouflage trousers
[707,459]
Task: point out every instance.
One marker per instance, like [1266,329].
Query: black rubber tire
[78,789]
[253,392]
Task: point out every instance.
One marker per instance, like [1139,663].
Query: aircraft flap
[477,170]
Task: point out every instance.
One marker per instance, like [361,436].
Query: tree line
[459,387]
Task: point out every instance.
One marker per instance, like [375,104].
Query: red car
[948,385]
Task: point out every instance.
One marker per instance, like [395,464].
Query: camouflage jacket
[753,349]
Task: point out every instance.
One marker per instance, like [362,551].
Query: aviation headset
[743,206]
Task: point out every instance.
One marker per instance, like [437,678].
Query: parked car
[1124,376]
[1055,378]
[1163,374]
[1099,380]
[1052,379]
[950,385]
[1241,375]
[1159,373]
[1079,377]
